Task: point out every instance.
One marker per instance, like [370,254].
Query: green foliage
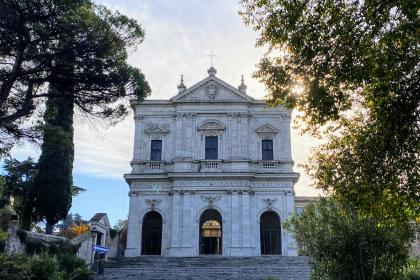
[413,270]
[3,238]
[54,181]
[19,176]
[43,266]
[14,268]
[47,35]
[357,63]
[344,244]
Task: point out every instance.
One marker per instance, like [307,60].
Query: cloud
[179,35]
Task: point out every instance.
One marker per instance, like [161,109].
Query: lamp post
[93,233]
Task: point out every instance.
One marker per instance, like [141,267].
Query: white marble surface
[239,180]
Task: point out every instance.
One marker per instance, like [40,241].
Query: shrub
[14,268]
[3,238]
[44,267]
[74,230]
[74,267]
[413,270]
[343,244]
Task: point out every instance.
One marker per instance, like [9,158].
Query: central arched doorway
[151,234]
[270,233]
[211,232]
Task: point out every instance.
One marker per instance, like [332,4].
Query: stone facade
[181,184]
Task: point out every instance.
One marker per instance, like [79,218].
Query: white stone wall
[241,184]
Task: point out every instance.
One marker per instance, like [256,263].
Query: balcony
[274,167]
[211,166]
[149,167]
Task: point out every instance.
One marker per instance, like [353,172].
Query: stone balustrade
[205,166]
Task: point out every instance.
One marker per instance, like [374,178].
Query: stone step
[208,267]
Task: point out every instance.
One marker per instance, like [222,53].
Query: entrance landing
[208,267]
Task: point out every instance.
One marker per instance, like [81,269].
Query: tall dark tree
[357,64]
[79,51]
[31,49]
[53,183]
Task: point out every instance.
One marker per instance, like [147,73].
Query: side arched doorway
[151,234]
[270,233]
[210,233]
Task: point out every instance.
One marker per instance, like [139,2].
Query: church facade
[212,173]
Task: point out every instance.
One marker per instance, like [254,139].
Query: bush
[3,238]
[44,267]
[14,268]
[344,244]
[74,267]
[413,270]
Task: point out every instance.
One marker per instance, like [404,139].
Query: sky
[179,36]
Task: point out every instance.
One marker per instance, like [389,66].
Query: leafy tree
[120,225]
[81,50]
[343,244]
[356,64]
[18,178]
[37,36]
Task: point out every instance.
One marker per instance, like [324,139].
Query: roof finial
[212,71]
[181,86]
[242,87]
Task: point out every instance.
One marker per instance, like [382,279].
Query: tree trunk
[49,228]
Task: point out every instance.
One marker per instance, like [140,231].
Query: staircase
[208,267]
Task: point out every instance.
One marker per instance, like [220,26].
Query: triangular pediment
[267,131]
[155,129]
[211,125]
[212,89]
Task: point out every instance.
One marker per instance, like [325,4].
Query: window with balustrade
[267,149]
[211,147]
[156,150]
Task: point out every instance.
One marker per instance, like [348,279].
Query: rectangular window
[211,147]
[267,149]
[156,150]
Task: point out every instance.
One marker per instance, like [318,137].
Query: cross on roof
[211,55]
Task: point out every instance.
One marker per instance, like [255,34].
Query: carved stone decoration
[153,202]
[267,131]
[211,128]
[210,199]
[211,90]
[156,130]
[269,202]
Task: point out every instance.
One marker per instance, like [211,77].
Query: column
[235,220]
[133,231]
[175,225]
[246,222]
[138,137]
[289,240]
[186,220]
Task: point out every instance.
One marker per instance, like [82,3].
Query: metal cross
[211,55]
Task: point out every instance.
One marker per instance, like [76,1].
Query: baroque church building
[212,173]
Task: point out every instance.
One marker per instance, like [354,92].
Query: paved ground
[208,267]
